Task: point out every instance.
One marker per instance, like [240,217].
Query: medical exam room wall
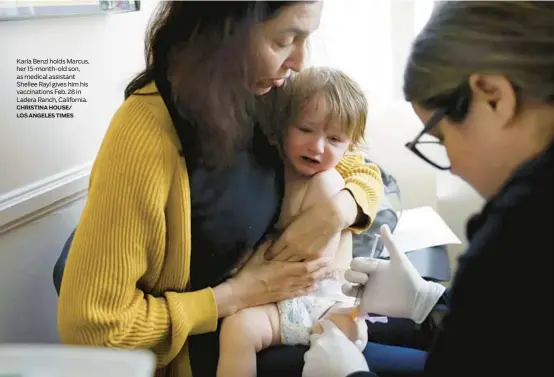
[45,163]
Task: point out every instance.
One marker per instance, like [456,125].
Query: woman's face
[279,45]
[492,141]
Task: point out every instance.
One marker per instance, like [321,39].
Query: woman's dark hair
[202,49]
[510,38]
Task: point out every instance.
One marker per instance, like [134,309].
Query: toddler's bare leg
[243,335]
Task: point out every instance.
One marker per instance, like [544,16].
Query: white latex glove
[332,354]
[392,287]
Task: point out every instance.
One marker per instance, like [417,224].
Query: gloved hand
[391,287]
[332,354]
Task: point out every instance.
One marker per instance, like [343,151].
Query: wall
[45,163]
[46,152]
[456,202]
[27,296]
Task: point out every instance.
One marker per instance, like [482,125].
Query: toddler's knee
[247,327]
[236,323]
[232,325]
[325,185]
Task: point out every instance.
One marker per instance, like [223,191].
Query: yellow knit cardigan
[126,281]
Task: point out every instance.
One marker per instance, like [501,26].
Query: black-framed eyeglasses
[430,150]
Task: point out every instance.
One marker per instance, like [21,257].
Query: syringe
[356,312]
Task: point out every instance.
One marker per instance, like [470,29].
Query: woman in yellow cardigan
[186,182]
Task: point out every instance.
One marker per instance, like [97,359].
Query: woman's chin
[261,90]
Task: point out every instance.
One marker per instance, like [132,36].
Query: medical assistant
[500,304]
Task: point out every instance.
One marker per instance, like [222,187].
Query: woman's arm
[120,242]
[359,202]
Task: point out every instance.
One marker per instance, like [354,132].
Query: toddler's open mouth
[310,160]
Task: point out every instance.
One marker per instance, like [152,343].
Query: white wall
[35,150]
[28,300]
[44,163]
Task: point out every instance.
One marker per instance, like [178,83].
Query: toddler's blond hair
[345,100]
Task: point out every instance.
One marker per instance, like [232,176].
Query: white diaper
[298,315]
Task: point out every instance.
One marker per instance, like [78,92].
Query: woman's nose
[295,61]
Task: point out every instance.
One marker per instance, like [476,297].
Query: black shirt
[500,317]
[231,210]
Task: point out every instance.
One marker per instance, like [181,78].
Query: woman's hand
[310,234]
[332,354]
[261,281]
[392,288]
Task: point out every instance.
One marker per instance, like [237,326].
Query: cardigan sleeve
[119,241]
[364,181]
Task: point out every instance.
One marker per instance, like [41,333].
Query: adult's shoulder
[145,111]
[141,137]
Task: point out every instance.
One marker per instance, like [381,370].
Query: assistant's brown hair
[510,38]
[202,49]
